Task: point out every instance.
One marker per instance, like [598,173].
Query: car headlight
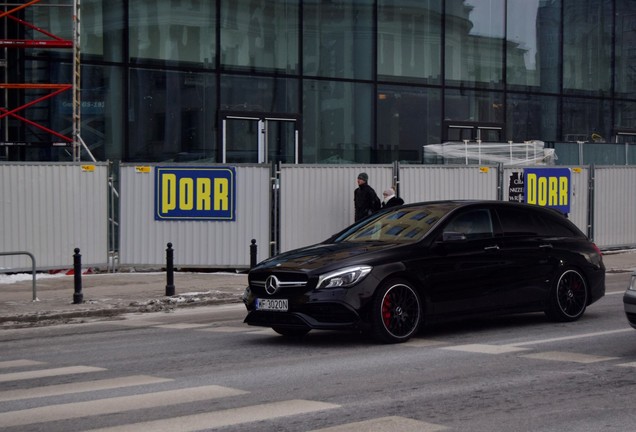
[632,283]
[343,277]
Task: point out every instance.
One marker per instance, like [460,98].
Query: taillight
[597,249]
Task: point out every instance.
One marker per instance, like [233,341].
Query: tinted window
[474,224]
[523,222]
[518,222]
[558,227]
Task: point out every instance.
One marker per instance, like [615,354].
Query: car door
[462,265]
[525,277]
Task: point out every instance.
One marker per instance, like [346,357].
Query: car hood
[326,255]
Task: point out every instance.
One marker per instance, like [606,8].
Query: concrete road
[202,369]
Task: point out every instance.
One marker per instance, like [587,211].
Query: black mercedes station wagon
[421,263]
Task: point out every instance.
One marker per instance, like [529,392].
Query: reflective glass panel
[337,122]
[531,117]
[101,31]
[407,119]
[260,34]
[473,106]
[587,46]
[586,120]
[172,31]
[171,116]
[409,40]
[533,55]
[338,39]
[625,115]
[259,94]
[474,43]
[625,85]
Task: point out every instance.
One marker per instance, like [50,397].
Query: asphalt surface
[108,295]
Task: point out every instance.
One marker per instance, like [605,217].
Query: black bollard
[170,270]
[253,254]
[78,297]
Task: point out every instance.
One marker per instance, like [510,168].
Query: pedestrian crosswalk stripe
[19,363]
[42,373]
[485,349]
[181,326]
[115,405]
[228,329]
[80,387]
[568,357]
[225,418]
[384,424]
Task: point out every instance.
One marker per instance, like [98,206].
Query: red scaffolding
[51,41]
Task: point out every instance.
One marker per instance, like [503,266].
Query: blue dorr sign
[195,193]
[548,187]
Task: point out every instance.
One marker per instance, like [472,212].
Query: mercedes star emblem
[271,285]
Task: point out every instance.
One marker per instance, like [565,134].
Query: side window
[476,224]
[555,227]
[516,222]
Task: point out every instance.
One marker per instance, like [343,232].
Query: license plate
[272,304]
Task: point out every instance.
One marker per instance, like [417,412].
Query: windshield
[403,225]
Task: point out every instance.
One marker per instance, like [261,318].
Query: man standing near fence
[365,199]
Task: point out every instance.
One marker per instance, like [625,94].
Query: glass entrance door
[259,140]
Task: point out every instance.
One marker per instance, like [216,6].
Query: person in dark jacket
[390,200]
[365,199]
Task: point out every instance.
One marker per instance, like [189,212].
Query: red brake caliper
[386,311]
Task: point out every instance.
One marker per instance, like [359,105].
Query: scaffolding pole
[77,100]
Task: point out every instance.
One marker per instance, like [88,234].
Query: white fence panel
[442,182]
[211,244]
[317,200]
[579,198]
[50,209]
[615,206]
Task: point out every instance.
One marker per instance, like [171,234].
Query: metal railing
[35,296]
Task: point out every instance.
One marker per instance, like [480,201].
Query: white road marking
[134,323]
[568,357]
[115,405]
[632,364]
[386,424]
[423,343]
[485,349]
[181,326]
[579,336]
[224,418]
[42,373]
[19,363]
[80,387]
[227,329]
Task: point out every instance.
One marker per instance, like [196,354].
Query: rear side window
[516,222]
[520,222]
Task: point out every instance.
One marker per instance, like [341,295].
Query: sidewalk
[111,294]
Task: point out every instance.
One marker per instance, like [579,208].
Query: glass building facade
[309,81]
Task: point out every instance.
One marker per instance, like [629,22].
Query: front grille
[287,283]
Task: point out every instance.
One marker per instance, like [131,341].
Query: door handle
[488,248]
[546,246]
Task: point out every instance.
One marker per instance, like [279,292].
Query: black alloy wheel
[568,297]
[397,312]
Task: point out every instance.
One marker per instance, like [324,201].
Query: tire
[568,297]
[396,313]
[291,332]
